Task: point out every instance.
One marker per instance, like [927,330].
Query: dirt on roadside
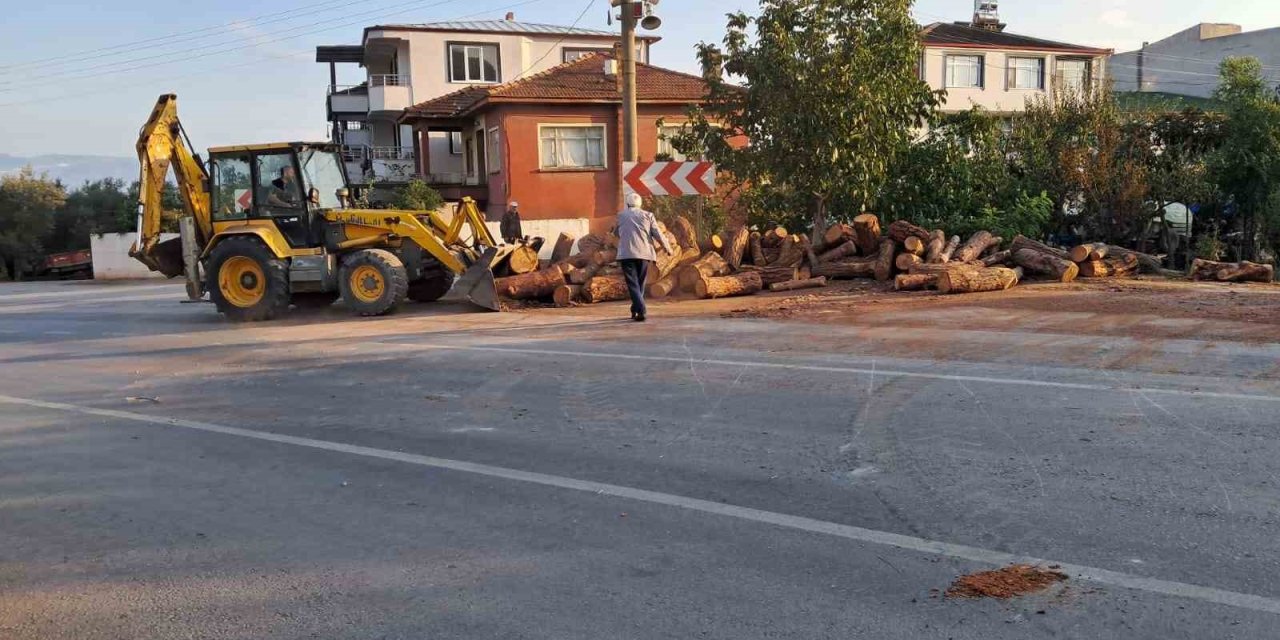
[1008,582]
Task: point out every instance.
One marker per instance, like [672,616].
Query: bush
[418,196]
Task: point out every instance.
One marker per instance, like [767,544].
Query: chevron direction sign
[669,178]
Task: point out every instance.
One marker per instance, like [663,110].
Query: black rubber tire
[312,300]
[432,287]
[275,299]
[396,281]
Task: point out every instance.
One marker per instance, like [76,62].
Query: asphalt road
[566,474]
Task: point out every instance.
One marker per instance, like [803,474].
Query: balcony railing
[390,153]
[388,80]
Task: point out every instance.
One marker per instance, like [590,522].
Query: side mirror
[314,195]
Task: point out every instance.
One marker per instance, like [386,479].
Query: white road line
[849,532]
[849,370]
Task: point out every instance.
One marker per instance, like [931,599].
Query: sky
[80,77]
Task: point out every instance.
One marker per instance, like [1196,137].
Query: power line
[257,21]
[170,60]
[585,9]
[115,88]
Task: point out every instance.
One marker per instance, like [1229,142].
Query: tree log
[836,235]
[937,242]
[684,232]
[708,266]
[605,257]
[605,289]
[1021,242]
[775,274]
[839,253]
[946,266]
[978,280]
[1090,251]
[915,281]
[866,233]
[592,242]
[998,258]
[736,247]
[773,236]
[566,294]
[563,248]
[884,259]
[523,259]
[1147,263]
[974,246]
[713,243]
[581,276]
[1231,271]
[757,251]
[1046,264]
[847,269]
[905,261]
[948,251]
[1109,267]
[663,286]
[900,230]
[771,254]
[529,286]
[794,249]
[792,285]
[914,246]
[738,284]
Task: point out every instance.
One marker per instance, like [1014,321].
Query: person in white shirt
[637,230]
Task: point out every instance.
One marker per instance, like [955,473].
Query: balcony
[348,99]
[389,92]
[393,166]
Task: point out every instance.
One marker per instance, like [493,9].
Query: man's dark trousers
[635,271]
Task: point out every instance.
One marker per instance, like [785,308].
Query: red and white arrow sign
[669,178]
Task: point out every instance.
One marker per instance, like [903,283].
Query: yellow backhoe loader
[270,225]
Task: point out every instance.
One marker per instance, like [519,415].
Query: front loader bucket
[476,285]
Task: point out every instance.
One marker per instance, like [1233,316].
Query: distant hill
[73,170]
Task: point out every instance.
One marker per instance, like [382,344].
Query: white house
[407,64]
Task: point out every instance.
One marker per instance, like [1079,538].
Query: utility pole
[629,131]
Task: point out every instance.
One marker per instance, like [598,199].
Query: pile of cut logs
[740,263]
[745,261]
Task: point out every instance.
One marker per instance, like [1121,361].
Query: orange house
[551,141]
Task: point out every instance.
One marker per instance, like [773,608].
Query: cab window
[279,191]
[232,188]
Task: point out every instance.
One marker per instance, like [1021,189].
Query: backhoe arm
[162,144]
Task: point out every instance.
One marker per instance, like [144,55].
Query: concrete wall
[111,259]
[995,94]
[1186,63]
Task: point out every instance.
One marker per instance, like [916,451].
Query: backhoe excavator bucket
[165,257]
[477,285]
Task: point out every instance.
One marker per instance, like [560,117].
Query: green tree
[101,206]
[829,92]
[1247,165]
[27,203]
[418,196]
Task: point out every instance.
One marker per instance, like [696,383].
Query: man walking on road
[637,229]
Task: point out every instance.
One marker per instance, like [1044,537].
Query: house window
[1026,73]
[569,54]
[353,125]
[473,63]
[964,71]
[572,146]
[495,155]
[1073,75]
[455,143]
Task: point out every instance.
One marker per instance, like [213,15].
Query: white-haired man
[637,229]
[510,226]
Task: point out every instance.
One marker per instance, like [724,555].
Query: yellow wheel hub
[242,281]
[367,283]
